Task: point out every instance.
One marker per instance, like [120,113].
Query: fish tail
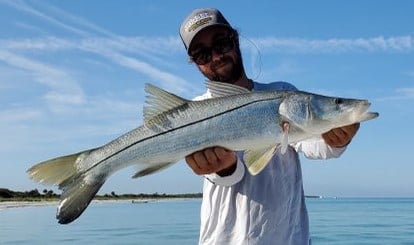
[78,188]
[76,196]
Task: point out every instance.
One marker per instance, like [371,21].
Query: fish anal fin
[153,169]
[256,160]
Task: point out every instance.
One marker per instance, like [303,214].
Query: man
[238,208]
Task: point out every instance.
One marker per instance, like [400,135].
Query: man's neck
[244,82]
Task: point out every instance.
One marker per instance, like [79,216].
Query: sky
[72,77]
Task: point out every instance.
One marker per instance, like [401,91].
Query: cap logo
[198,20]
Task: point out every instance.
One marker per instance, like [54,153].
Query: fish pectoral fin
[256,160]
[152,169]
[285,137]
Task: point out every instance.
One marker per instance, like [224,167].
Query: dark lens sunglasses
[203,55]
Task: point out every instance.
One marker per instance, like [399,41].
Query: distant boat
[139,201]
[319,197]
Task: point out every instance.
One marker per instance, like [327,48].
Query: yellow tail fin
[55,171]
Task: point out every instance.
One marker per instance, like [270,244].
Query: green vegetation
[33,195]
[49,195]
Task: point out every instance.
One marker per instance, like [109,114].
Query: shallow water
[332,221]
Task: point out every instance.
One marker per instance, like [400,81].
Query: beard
[229,74]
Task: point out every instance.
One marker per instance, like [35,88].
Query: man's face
[217,55]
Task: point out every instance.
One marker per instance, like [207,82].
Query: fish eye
[339,101]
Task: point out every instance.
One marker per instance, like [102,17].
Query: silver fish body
[174,128]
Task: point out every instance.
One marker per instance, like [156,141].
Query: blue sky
[72,76]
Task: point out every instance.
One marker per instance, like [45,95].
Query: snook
[255,122]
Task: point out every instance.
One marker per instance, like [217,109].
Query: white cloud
[405,93]
[169,80]
[30,10]
[60,83]
[148,47]
[113,47]
[409,73]
[12,116]
[163,46]
[30,28]
[373,44]
[48,44]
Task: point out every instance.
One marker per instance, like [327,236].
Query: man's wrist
[227,171]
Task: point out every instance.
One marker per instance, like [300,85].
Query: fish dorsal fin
[159,101]
[219,89]
[256,160]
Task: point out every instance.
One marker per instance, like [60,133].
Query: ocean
[332,221]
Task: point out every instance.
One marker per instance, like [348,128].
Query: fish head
[317,114]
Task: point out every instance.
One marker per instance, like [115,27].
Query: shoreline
[9,204]
[25,204]
[42,203]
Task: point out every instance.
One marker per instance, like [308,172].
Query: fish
[260,123]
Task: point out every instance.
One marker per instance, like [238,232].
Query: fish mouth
[368,116]
[362,114]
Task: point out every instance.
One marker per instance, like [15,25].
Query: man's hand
[340,137]
[212,160]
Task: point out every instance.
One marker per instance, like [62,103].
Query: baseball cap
[198,20]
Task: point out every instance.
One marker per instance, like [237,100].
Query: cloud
[168,80]
[49,44]
[111,46]
[146,46]
[409,73]
[404,93]
[73,19]
[305,46]
[60,83]
[32,11]
[12,116]
[114,50]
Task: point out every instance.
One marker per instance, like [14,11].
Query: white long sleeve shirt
[268,208]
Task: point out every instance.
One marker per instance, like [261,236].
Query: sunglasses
[202,56]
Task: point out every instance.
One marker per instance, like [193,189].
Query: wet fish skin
[174,127]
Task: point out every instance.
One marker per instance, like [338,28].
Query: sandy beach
[22,204]
[41,203]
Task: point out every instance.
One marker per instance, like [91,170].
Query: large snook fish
[258,123]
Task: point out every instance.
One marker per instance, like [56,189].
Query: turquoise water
[333,221]
[362,221]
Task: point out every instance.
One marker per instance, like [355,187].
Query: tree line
[35,194]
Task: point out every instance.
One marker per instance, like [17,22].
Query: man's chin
[224,70]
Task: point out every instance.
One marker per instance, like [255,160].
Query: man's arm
[223,162]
